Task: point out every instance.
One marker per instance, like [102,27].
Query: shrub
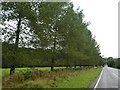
[36,74]
[17,78]
[27,75]
[30,84]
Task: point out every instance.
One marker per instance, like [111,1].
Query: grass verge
[62,78]
[83,80]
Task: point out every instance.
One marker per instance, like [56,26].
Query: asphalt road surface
[109,78]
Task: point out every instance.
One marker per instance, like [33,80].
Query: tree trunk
[17,34]
[52,66]
[53,59]
[12,71]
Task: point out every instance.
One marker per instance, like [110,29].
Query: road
[109,78]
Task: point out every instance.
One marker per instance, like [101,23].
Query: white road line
[115,75]
[98,79]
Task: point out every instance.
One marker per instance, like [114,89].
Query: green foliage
[25,57]
[117,63]
[51,34]
[110,62]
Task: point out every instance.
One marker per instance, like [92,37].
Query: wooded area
[112,62]
[46,34]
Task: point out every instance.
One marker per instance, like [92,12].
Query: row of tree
[39,57]
[112,62]
[45,34]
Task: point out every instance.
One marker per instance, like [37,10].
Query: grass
[61,78]
[83,80]
[5,72]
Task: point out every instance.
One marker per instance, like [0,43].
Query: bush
[17,78]
[27,75]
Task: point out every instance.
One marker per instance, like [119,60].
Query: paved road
[109,78]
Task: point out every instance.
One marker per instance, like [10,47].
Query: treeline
[113,62]
[27,57]
[43,33]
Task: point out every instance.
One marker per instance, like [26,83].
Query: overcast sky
[103,15]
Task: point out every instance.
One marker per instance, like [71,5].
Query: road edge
[95,83]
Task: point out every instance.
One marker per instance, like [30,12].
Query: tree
[51,30]
[117,63]
[22,14]
[110,62]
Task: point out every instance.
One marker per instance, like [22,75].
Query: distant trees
[52,28]
[117,63]
[111,62]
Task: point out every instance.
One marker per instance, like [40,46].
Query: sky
[103,15]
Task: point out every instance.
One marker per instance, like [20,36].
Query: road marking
[116,75]
[98,79]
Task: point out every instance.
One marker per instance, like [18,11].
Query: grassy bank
[83,80]
[62,78]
